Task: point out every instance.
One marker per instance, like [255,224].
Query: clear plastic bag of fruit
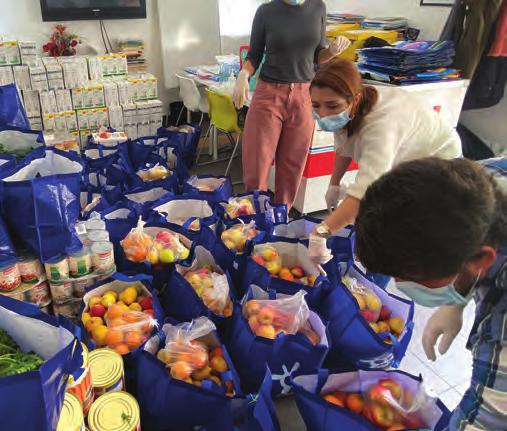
[269,317]
[369,303]
[206,184]
[125,330]
[209,282]
[166,247]
[193,354]
[236,207]
[287,261]
[154,173]
[235,237]
[137,244]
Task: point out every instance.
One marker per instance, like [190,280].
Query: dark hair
[343,78]
[426,218]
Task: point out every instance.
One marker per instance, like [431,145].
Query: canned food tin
[70,309]
[80,383]
[102,257]
[10,279]
[115,411]
[58,270]
[80,263]
[71,416]
[30,269]
[107,371]
[38,294]
[79,286]
[61,292]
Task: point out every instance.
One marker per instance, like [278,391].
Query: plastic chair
[223,119]
[193,99]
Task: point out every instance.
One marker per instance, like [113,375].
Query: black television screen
[66,10]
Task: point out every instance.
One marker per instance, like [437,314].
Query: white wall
[22,19]
[429,19]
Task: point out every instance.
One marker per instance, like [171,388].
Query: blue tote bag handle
[129,279]
[322,376]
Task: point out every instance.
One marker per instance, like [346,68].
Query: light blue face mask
[446,295]
[294,2]
[333,122]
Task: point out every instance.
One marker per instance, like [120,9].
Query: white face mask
[428,297]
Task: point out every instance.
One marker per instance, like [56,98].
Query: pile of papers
[386,23]
[344,18]
[409,62]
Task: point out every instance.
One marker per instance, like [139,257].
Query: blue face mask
[428,297]
[333,122]
[294,2]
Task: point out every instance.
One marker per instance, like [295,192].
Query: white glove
[446,322]
[340,44]
[318,251]
[333,195]
[241,89]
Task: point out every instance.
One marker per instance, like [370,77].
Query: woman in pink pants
[290,35]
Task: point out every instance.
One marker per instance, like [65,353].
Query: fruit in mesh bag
[239,207]
[215,297]
[236,237]
[137,245]
[157,172]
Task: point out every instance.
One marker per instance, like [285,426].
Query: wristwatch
[322,230]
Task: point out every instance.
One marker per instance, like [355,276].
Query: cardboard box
[22,77]
[6,75]
[32,103]
[9,53]
[63,100]
[48,102]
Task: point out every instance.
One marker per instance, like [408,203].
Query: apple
[269,254]
[383,327]
[369,315]
[311,280]
[393,386]
[252,308]
[355,403]
[273,267]
[385,312]
[167,256]
[265,316]
[146,303]
[258,259]
[94,301]
[202,374]
[396,324]
[253,323]
[298,272]
[153,256]
[266,331]
[164,237]
[383,416]
[287,276]
[373,302]
[218,364]
[98,310]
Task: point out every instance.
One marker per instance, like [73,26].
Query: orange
[114,337]
[133,340]
[132,316]
[114,311]
[181,370]
[117,323]
[122,349]
[333,400]
[355,402]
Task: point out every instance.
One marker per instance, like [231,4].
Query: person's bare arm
[344,215]
[341,165]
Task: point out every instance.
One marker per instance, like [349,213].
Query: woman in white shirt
[379,128]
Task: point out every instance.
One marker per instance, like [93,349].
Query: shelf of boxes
[81,93]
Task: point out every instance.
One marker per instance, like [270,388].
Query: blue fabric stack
[409,62]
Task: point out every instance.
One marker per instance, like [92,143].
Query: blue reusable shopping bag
[293,253]
[286,356]
[12,112]
[7,250]
[41,202]
[181,301]
[213,189]
[320,415]
[41,391]
[353,341]
[170,404]
[186,142]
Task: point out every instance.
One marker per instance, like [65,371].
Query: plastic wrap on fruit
[388,403]
[125,330]
[369,303]
[236,237]
[167,248]
[137,244]
[206,184]
[239,207]
[269,317]
[188,358]
[157,172]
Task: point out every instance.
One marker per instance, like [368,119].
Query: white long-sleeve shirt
[399,128]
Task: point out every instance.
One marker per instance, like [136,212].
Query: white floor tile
[432,380]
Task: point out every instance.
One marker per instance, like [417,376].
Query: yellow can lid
[71,417]
[114,411]
[106,368]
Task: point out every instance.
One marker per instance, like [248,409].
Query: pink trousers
[279,127]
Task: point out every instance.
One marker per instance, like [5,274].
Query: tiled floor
[448,377]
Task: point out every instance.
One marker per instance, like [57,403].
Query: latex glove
[333,195]
[446,322]
[241,89]
[318,251]
[340,44]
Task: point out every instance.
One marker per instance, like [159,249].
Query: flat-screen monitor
[66,10]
